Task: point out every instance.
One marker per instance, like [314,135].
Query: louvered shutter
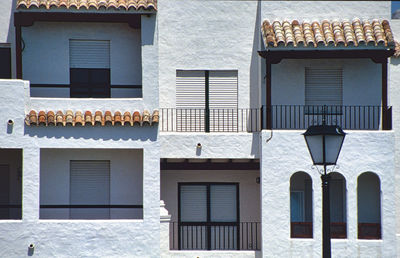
[323,87]
[190,100]
[89,53]
[223,97]
[89,185]
[223,203]
[193,202]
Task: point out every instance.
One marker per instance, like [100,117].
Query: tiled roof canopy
[99,118]
[86,4]
[327,33]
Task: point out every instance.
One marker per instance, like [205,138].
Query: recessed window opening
[337,192]
[5,62]
[301,206]
[10,184]
[208,216]
[91,184]
[369,206]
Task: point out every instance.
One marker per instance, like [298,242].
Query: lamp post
[324,143]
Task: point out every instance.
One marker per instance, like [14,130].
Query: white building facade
[174,128]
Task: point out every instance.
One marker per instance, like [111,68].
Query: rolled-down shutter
[89,53]
[223,96]
[324,86]
[193,202]
[190,100]
[90,185]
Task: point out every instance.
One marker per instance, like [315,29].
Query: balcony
[280,117]
[215,236]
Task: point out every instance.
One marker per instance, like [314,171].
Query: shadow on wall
[255,98]
[395,60]
[105,133]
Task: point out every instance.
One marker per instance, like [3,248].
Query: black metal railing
[347,117]
[210,120]
[89,211]
[215,236]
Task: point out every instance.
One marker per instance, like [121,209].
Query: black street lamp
[324,143]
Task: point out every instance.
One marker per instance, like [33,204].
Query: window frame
[208,224]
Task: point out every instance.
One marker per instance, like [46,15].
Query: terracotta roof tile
[327,33]
[86,4]
[69,118]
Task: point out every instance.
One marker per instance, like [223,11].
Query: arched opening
[338,205]
[301,206]
[369,206]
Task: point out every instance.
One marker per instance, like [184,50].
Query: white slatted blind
[223,203]
[190,100]
[193,202]
[90,185]
[89,53]
[223,95]
[323,86]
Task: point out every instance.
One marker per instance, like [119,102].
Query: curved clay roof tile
[137,118]
[155,117]
[33,118]
[127,118]
[108,118]
[69,117]
[79,120]
[42,118]
[117,118]
[51,118]
[88,118]
[146,117]
[60,118]
[98,118]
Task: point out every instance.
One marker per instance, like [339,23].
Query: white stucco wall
[285,154]
[214,145]
[126,179]
[206,35]
[133,238]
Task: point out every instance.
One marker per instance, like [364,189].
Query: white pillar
[31,184]
[165,218]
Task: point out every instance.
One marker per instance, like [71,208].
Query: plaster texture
[286,153]
[214,145]
[64,238]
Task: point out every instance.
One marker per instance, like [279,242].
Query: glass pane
[314,144]
[223,203]
[193,202]
[297,206]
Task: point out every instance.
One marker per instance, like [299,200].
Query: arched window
[369,206]
[301,206]
[338,205]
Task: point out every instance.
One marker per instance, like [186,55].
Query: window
[301,206]
[90,186]
[89,68]
[206,100]
[369,206]
[337,193]
[5,63]
[208,216]
[323,87]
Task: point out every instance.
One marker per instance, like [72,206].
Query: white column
[165,218]
[30,184]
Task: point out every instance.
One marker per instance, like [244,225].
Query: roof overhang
[275,56]
[29,18]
